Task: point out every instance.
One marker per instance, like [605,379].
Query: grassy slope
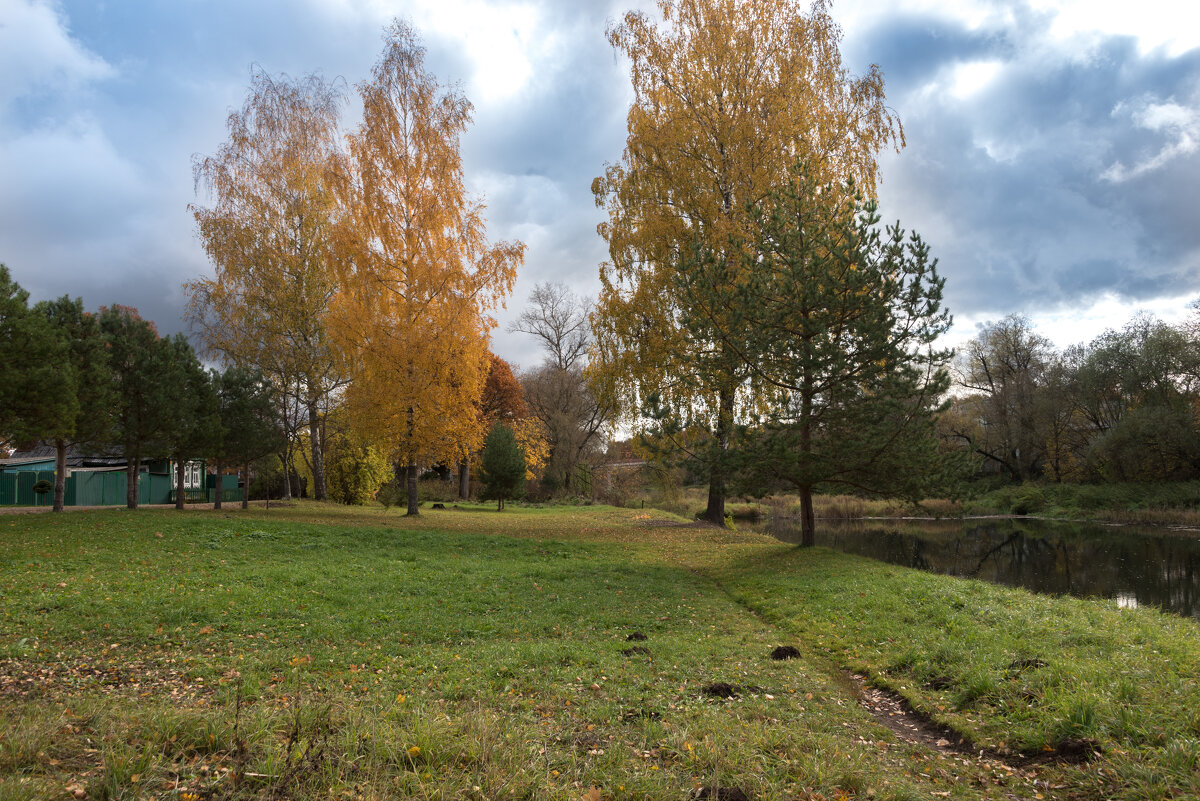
[381,657]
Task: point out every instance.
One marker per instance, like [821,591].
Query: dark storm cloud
[910,48]
[1041,188]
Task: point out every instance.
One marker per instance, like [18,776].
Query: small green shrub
[1028,500]
[390,494]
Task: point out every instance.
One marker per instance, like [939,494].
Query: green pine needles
[502,467]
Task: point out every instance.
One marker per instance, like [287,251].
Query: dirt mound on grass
[723,689]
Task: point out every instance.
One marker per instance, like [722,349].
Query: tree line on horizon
[754,319]
[106,382]
[1124,407]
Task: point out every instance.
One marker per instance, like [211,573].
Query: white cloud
[507,44]
[38,53]
[1168,24]
[972,77]
[1179,125]
[973,14]
[1079,323]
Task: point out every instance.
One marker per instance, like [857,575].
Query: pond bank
[1133,566]
[1159,504]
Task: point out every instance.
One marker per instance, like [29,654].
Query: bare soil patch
[910,725]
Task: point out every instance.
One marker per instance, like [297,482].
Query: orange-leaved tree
[728,96]
[502,400]
[419,277]
[270,237]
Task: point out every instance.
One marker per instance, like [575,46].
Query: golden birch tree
[270,237]
[729,95]
[531,436]
[420,278]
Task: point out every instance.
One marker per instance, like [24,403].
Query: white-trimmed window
[192,476]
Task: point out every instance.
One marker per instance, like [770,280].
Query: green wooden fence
[101,488]
[16,489]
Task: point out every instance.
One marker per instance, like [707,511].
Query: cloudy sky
[1053,145]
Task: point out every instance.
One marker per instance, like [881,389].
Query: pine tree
[836,325]
[37,400]
[91,381]
[249,426]
[144,389]
[502,467]
[194,399]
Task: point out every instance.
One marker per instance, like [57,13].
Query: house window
[191,475]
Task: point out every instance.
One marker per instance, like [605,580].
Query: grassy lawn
[326,652]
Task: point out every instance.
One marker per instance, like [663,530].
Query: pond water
[1133,566]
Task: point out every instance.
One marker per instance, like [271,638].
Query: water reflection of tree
[918,558]
[1156,568]
[1014,540]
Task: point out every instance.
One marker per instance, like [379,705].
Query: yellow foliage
[531,436]
[729,96]
[419,277]
[270,235]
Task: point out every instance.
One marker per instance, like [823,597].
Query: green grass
[1010,670]
[317,651]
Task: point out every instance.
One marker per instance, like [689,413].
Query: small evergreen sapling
[502,467]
